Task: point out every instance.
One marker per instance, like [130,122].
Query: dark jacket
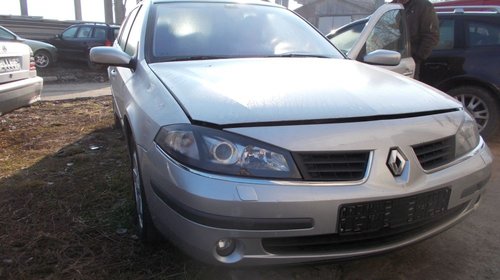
[423,26]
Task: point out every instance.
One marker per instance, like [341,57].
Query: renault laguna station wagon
[254,141]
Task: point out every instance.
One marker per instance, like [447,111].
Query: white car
[254,141]
[19,84]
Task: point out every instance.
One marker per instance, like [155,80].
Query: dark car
[466,62]
[76,41]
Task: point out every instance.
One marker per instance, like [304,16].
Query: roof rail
[468,9]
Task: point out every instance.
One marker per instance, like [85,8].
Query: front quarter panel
[148,105]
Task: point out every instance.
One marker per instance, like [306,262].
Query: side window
[125,29]
[482,34]
[99,33]
[346,39]
[6,35]
[446,34]
[70,33]
[388,34]
[135,34]
[84,32]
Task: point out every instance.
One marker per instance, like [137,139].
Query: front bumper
[274,222]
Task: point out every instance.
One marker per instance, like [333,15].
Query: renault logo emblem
[396,162]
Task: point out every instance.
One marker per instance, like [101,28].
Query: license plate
[372,216]
[10,64]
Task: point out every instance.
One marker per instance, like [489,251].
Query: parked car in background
[253,140]
[382,32]
[467,3]
[19,84]
[75,42]
[45,54]
[465,64]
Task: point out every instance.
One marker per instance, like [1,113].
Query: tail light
[108,43]
[32,63]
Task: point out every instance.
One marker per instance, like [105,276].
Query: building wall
[330,14]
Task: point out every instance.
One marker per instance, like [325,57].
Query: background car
[19,84]
[465,64]
[45,54]
[75,42]
[254,141]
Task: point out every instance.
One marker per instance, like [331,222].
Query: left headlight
[467,137]
[225,153]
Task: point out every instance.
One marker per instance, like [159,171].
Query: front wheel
[481,105]
[146,229]
[43,59]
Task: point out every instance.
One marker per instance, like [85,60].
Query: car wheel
[146,229]
[42,59]
[481,105]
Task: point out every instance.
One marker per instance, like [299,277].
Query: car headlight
[225,153]
[467,137]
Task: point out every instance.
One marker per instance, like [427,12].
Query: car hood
[257,90]
[35,45]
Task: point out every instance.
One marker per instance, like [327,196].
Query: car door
[119,76]
[384,29]
[73,43]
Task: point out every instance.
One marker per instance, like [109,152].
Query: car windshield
[189,31]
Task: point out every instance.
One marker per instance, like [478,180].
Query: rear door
[385,29]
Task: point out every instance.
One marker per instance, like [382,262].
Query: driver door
[384,29]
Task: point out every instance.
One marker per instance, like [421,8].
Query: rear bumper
[20,93]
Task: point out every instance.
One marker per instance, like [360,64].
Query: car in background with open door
[381,39]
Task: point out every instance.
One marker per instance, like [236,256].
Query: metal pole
[108,11]
[24,7]
[78,10]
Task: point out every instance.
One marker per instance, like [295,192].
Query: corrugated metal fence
[35,28]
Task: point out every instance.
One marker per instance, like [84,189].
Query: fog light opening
[225,247]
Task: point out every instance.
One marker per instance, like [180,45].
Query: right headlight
[467,137]
[225,153]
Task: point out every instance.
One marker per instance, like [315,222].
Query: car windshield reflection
[192,31]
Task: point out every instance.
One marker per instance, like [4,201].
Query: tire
[146,230]
[480,103]
[43,59]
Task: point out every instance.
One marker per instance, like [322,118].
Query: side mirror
[383,57]
[110,56]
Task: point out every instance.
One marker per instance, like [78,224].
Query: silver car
[254,141]
[19,84]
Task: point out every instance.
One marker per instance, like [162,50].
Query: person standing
[423,27]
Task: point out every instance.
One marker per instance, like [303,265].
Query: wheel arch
[471,82]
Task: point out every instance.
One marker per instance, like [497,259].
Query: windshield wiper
[300,55]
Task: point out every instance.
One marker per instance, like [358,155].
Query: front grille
[333,166]
[436,153]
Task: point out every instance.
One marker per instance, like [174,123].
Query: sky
[59,9]
[64,10]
